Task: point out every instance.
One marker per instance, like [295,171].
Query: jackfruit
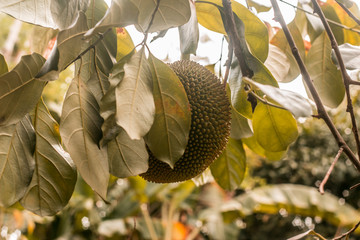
[210,125]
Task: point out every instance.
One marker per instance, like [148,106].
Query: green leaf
[54,176]
[108,103]
[189,33]
[19,90]
[295,199]
[120,14]
[277,63]
[127,157]
[256,33]
[3,65]
[253,144]
[239,126]
[135,107]
[97,63]
[171,13]
[67,48]
[292,101]
[229,169]
[279,40]
[238,94]
[80,130]
[275,129]
[17,144]
[169,134]
[31,11]
[65,13]
[350,55]
[326,77]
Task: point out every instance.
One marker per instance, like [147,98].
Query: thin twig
[345,76]
[352,82]
[348,12]
[133,230]
[264,101]
[329,20]
[101,37]
[230,28]
[228,63]
[355,186]
[306,76]
[348,233]
[326,178]
[151,21]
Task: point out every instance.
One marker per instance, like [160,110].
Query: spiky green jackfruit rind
[210,125]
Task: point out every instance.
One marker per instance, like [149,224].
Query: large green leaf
[256,32]
[65,13]
[67,48]
[120,14]
[292,101]
[46,13]
[135,107]
[325,75]
[108,102]
[169,133]
[171,13]
[80,130]
[32,11]
[275,129]
[127,157]
[19,90]
[54,176]
[229,169]
[3,65]
[189,33]
[295,199]
[17,144]
[279,40]
[96,64]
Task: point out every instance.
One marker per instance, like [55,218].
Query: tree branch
[306,76]
[345,76]
[326,178]
[348,12]
[230,28]
[348,233]
[101,37]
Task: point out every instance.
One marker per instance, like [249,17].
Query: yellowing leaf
[275,129]
[124,43]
